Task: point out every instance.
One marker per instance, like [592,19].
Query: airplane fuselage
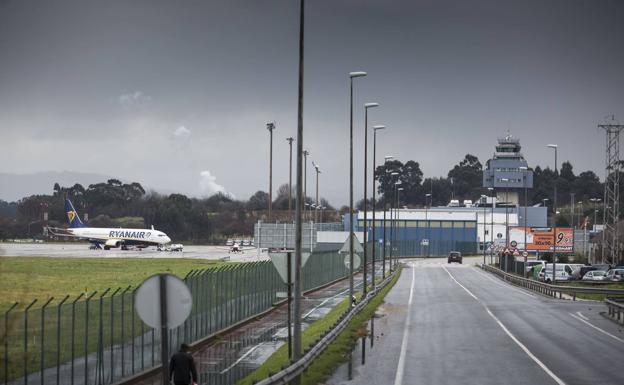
[110,237]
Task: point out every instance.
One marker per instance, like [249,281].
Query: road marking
[513,338]
[596,327]
[582,316]
[241,358]
[398,379]
[500,284]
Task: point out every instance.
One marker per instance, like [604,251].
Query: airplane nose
[167,240]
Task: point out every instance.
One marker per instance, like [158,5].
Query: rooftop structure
[507,169]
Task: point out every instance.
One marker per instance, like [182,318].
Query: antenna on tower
[610,243]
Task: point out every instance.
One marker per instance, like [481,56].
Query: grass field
[23,279]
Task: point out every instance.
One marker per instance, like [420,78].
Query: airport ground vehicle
[454,256]
[615,275]
[595,275]
[563,272]
[530,264]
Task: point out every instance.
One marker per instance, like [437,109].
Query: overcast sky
[176,94]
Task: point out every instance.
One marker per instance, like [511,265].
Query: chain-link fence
[99,339]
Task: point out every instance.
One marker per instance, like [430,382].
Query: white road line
[596,327]
[513,338]
[398,379]
[241,358]
[503,285]
[582,316]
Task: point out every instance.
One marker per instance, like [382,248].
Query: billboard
[541,238]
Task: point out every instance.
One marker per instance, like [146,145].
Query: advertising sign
[541,238]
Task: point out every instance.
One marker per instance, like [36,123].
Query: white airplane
[108,237]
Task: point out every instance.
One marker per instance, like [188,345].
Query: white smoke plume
[208,184]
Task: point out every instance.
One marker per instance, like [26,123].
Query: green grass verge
[335,354]
[27,278]
[597,297]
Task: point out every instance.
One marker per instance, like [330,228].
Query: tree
[258,201]
[467,178]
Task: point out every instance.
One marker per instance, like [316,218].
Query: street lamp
[375,129]
[491,190]
[270,127]
[385,208]
[484,200]
[318,171]
[352,75]
[290,140]
[506,180]
[427,197]
[365,273]
[398,215]
[393,175]
[554,220]
[524,170]
[305,154]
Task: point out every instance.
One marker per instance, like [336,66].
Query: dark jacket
[181,368]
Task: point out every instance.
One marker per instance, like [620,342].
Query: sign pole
[164,335]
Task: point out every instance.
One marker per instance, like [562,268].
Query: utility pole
[572,211]
[610,243]
[290,140]
[305,178]
[270,127]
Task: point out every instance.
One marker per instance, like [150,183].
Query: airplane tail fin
[72,215]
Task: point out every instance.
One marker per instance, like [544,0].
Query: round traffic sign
[525,254]
[356,261]
[514,243]
[499,235]
[178,297]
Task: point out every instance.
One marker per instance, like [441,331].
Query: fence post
[58,338]
[42,363]
[6,342]
[112,331]
[26,341]
[73,334]
[86,340]
[123,341]
[100,346]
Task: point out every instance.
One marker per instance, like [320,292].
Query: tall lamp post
[554,220]
[375,129]
[365,273]
[491,190]
[484,200]
[305,154]
[428,196]
[352,75]
[398,216]
[506,180]
[385,209]
[270,127]
[318,171]
[394,183]
[290,140]
[524,172]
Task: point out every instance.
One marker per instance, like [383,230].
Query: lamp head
[357,74]
[270,126]
[379,127]
[551,146]
[369,105]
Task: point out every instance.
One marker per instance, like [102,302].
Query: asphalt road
[464,326]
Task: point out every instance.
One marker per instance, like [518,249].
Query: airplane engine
[112,243]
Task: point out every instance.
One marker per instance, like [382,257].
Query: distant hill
[16,186]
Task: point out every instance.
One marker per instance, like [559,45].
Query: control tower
[506,172]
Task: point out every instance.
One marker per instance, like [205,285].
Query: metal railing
[97,338]
[296,368]
[616,309]
[548,289]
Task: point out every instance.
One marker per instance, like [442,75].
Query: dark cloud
[113,81]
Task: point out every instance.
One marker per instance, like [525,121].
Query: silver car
[595,275]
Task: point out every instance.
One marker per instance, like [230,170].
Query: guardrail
[616,310]
[296,368]
[548,289]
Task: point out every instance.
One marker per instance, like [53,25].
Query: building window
[422,224]
[472,225]
[410,223]
[458,225]
[447,224]
[434,224]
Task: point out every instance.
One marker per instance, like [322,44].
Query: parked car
[595,275]
[563,272]
[455,256]
[229,242]
[615,275]
[580,272]
[246,242]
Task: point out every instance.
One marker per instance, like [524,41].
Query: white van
[563,271]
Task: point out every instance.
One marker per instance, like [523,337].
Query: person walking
[182,367]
